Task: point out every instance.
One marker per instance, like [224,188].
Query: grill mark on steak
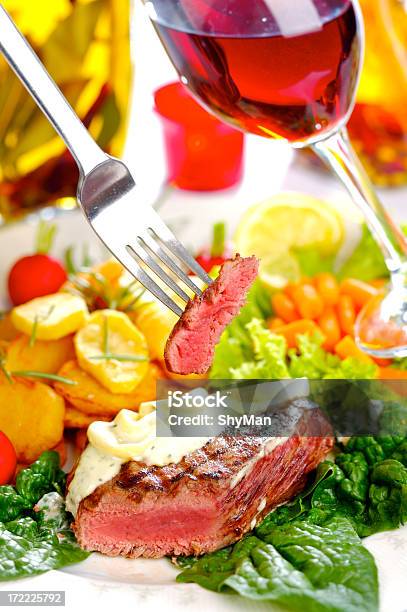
[208,462]
[206,501]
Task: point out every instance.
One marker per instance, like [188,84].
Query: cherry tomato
[208,262]
[34,276]
[8,459]
[219,252]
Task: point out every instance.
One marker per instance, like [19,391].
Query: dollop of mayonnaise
[130,436]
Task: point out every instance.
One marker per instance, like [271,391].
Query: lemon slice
[50,317]
[272,229]
[278,270]
[112,350]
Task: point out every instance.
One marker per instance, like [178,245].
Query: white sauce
[94,469]
[51,504]
[130,436]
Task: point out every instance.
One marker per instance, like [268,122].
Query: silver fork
[132,231]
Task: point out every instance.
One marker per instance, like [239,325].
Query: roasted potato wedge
[4,344]
[42,356]
[156,322]
[111,332]
[51,316]
[31,415]
[75,419]
[90,397]
[7,330]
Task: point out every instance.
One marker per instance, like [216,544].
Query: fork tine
[140,253]
[130,263]
[162,232]
[157,250]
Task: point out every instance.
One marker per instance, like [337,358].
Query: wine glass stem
[337,152]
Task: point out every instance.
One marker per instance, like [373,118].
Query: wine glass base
[381,326]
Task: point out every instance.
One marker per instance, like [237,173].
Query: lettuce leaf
[299,565]
[366,262]
[312,361]
[264,355]
[312,261]
[269,355]
[236,343]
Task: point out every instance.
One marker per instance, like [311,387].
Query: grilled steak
[191,345]
[208,500]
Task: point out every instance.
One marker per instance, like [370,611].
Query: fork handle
[32,73]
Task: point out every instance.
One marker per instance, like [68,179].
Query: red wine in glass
[295,86]
[289,69]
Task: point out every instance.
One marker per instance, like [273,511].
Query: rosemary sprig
[111,356]
[5,372]
[69,260]
[43,375]
[130,306]
[31,374]
[45,236]
[69,257]
[86,258]
[126,291]
[86,290]
[33,336]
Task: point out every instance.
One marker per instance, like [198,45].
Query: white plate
[150,584]
[102,583]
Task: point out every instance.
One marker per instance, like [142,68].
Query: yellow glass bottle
[86,48]
[378,126]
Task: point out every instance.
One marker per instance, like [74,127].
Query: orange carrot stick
[347,348]
[378,283]
[346,314]
[284,307]
[291,331]
[329,324]
[307,301]
[327,287]
[392,374]
[358,290]
[275,322]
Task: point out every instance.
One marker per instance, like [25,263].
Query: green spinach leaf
[298,565]
[42,476]
[34,526]
[29,546]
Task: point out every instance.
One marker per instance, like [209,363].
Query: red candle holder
[203,154]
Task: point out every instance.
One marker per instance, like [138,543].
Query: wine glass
[289,69]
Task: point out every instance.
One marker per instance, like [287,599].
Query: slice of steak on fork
[191,345]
